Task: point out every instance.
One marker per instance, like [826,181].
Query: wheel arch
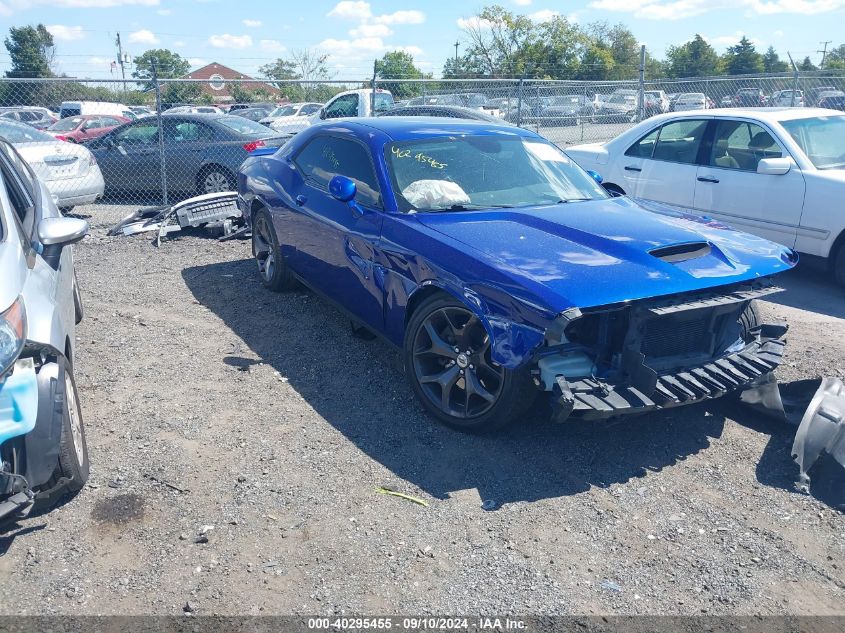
[612,187]
[512,344]
[838,244]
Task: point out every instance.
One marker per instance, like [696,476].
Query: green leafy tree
[169,65]
[597,64]
[182,92]
[835,59]
[772,63]
[807,65]
[399,65]
[31,51]
[305,65]
[623,46]
[743,59]
[695,58]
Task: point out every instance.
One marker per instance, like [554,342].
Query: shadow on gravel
[356,386]
[812,289]
[8,535]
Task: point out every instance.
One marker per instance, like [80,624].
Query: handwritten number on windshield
[420,157]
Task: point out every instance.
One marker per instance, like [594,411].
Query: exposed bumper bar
[593,398]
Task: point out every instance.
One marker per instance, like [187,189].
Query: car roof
[410,128]
[764,114]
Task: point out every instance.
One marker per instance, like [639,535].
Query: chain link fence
[146,142]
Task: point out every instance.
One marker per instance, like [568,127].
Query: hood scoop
[675,253]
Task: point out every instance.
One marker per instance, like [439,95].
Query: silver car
[42,440]
[70,171]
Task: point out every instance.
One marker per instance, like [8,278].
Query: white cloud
[351,10]
[164,11]
[143,36]
[226,40]
[522,3]
[416,51]
[10,6]
[778,33]
[679,9]
[544,15]
[401,17]
[371,30]
[197,62]
[271,46]
[473,23]
[253,24]
[64,33]
[732,39]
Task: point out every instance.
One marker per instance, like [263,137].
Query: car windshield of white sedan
[481,172]
[821,138]
[21,133]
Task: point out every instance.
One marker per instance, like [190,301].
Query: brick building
[216,75]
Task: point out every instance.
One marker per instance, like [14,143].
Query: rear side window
[327,156]
[679,141]
[19,184]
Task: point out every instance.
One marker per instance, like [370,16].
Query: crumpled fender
[512,342]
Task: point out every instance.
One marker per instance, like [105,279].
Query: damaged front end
[658,353]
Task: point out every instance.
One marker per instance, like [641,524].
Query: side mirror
[595,176]
[342,188]
[56,233]
[774,166]
[322,113]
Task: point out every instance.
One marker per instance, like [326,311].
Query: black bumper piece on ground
[593,398]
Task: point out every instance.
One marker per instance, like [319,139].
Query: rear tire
[465,390]
[272,269]
[215,179]
[749,319]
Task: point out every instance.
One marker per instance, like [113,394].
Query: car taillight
[59,137]
[253,145]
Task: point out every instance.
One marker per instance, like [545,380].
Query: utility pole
[823,52]
[456,57]
[794,79]
[120,60]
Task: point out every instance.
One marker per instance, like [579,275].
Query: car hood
[295,123]
[589,254]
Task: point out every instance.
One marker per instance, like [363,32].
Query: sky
[246,34]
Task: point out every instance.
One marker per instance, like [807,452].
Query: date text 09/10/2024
[417,623]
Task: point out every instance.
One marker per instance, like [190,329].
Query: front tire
[838,265]
[272,269]
[449,367]
[73,447]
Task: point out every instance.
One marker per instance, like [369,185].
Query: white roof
[763,114]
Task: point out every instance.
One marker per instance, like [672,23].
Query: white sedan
[69,170]
[775,172]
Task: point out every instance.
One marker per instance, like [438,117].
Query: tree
[622,45]
[499,42]
[772,63]
[743,59]
[31,51]
[399,65]
[169,65]
[695,58]
[182,92]
[597,64]
[835,59]
[305,65]
[807,65]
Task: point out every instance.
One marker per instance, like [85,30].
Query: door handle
[632,168]
[707,179]
[300,199]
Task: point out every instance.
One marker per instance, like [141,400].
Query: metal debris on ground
[822,431]
[402,495]
[214,211]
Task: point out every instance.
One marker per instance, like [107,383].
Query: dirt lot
[210,401]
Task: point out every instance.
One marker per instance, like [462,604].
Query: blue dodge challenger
[503,270]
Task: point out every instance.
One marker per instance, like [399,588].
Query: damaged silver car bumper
[822,430]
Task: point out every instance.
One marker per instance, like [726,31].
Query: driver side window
[142,134]
[327,156]
[344,106]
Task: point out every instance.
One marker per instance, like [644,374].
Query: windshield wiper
[472,207]
[561,201]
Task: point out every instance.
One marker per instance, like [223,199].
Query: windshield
[456,173]
[383,102]
[20,133]
[65,125]
[821,138]
[284,111]
[242,125]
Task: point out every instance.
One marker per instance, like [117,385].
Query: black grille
[674,337]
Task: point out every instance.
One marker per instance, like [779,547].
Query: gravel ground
[210,401]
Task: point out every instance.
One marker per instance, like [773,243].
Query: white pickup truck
[352,103]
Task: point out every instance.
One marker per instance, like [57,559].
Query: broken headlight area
[657,353]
